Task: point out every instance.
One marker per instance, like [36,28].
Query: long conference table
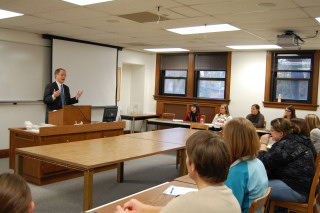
[90,155]
[172,122]
[187,124]
[152,196]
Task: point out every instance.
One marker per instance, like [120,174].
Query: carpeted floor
[67,196]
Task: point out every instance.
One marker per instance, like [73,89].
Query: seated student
[289,162]
[222,118]
[15,195]
[256,117]
[194,114]
[247,176]
[313,124]
[208,161]
[290,112]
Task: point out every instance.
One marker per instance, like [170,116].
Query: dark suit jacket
[56,104]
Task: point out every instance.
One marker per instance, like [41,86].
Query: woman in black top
[194,114]
[289,162]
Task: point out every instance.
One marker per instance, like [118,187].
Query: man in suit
[55,97]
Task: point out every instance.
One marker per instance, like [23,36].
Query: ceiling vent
[143,17]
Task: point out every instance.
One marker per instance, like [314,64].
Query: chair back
[199,126]
[204,118]
[265,124]
[260,203]
[317,160]
[312,195]
[309,207]
[167,115]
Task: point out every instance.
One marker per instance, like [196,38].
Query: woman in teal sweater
[247,176]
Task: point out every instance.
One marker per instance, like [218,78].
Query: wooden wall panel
[179,109]
[209,112]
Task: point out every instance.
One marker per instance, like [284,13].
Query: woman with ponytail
[289,162]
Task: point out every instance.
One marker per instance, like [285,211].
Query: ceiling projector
[289,39]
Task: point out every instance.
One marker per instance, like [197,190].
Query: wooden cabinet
[41,173]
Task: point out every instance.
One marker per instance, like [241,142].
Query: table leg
[88,190]
[132,125]
[120,172]
[183,166]
[18,170]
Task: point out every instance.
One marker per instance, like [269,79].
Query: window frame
[275,79]
[160,99]
[162,82]
[270,101]
[197,79]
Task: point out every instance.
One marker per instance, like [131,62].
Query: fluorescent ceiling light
[8,14]
[318,19]
[85,2]
[204,29]
[254,47]
[167,50]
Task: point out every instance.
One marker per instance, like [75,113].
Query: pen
[171,190]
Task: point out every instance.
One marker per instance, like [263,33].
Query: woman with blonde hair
[15,195]
[313,124]
[247,176]
[222,117]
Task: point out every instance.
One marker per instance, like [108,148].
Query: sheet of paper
[177,190]
[177,120]
[33,130]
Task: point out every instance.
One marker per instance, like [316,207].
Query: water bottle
[279,98]
[201,120]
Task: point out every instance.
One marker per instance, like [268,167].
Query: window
[173,74]
[210,75]
[174,82]
[211,84]
[292,77]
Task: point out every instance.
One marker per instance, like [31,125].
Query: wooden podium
[70,115]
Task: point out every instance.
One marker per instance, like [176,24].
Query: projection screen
[90,68]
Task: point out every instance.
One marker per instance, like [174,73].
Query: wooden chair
[265,124]
[204,118]
[192,126]
[169,116]
[199,126]
[261,203]
[311,205]
[317,163]
[166,115]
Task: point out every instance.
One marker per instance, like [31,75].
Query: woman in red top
[194,114]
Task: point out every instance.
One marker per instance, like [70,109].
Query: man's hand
[79,93]
[56,93]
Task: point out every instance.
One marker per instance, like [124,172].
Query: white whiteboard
[24,71]
[90,68]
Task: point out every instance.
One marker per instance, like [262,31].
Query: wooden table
[89,155]
[43,173]
[133,118]
[185,179]
[172,123]
[153,196]
[174,135]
